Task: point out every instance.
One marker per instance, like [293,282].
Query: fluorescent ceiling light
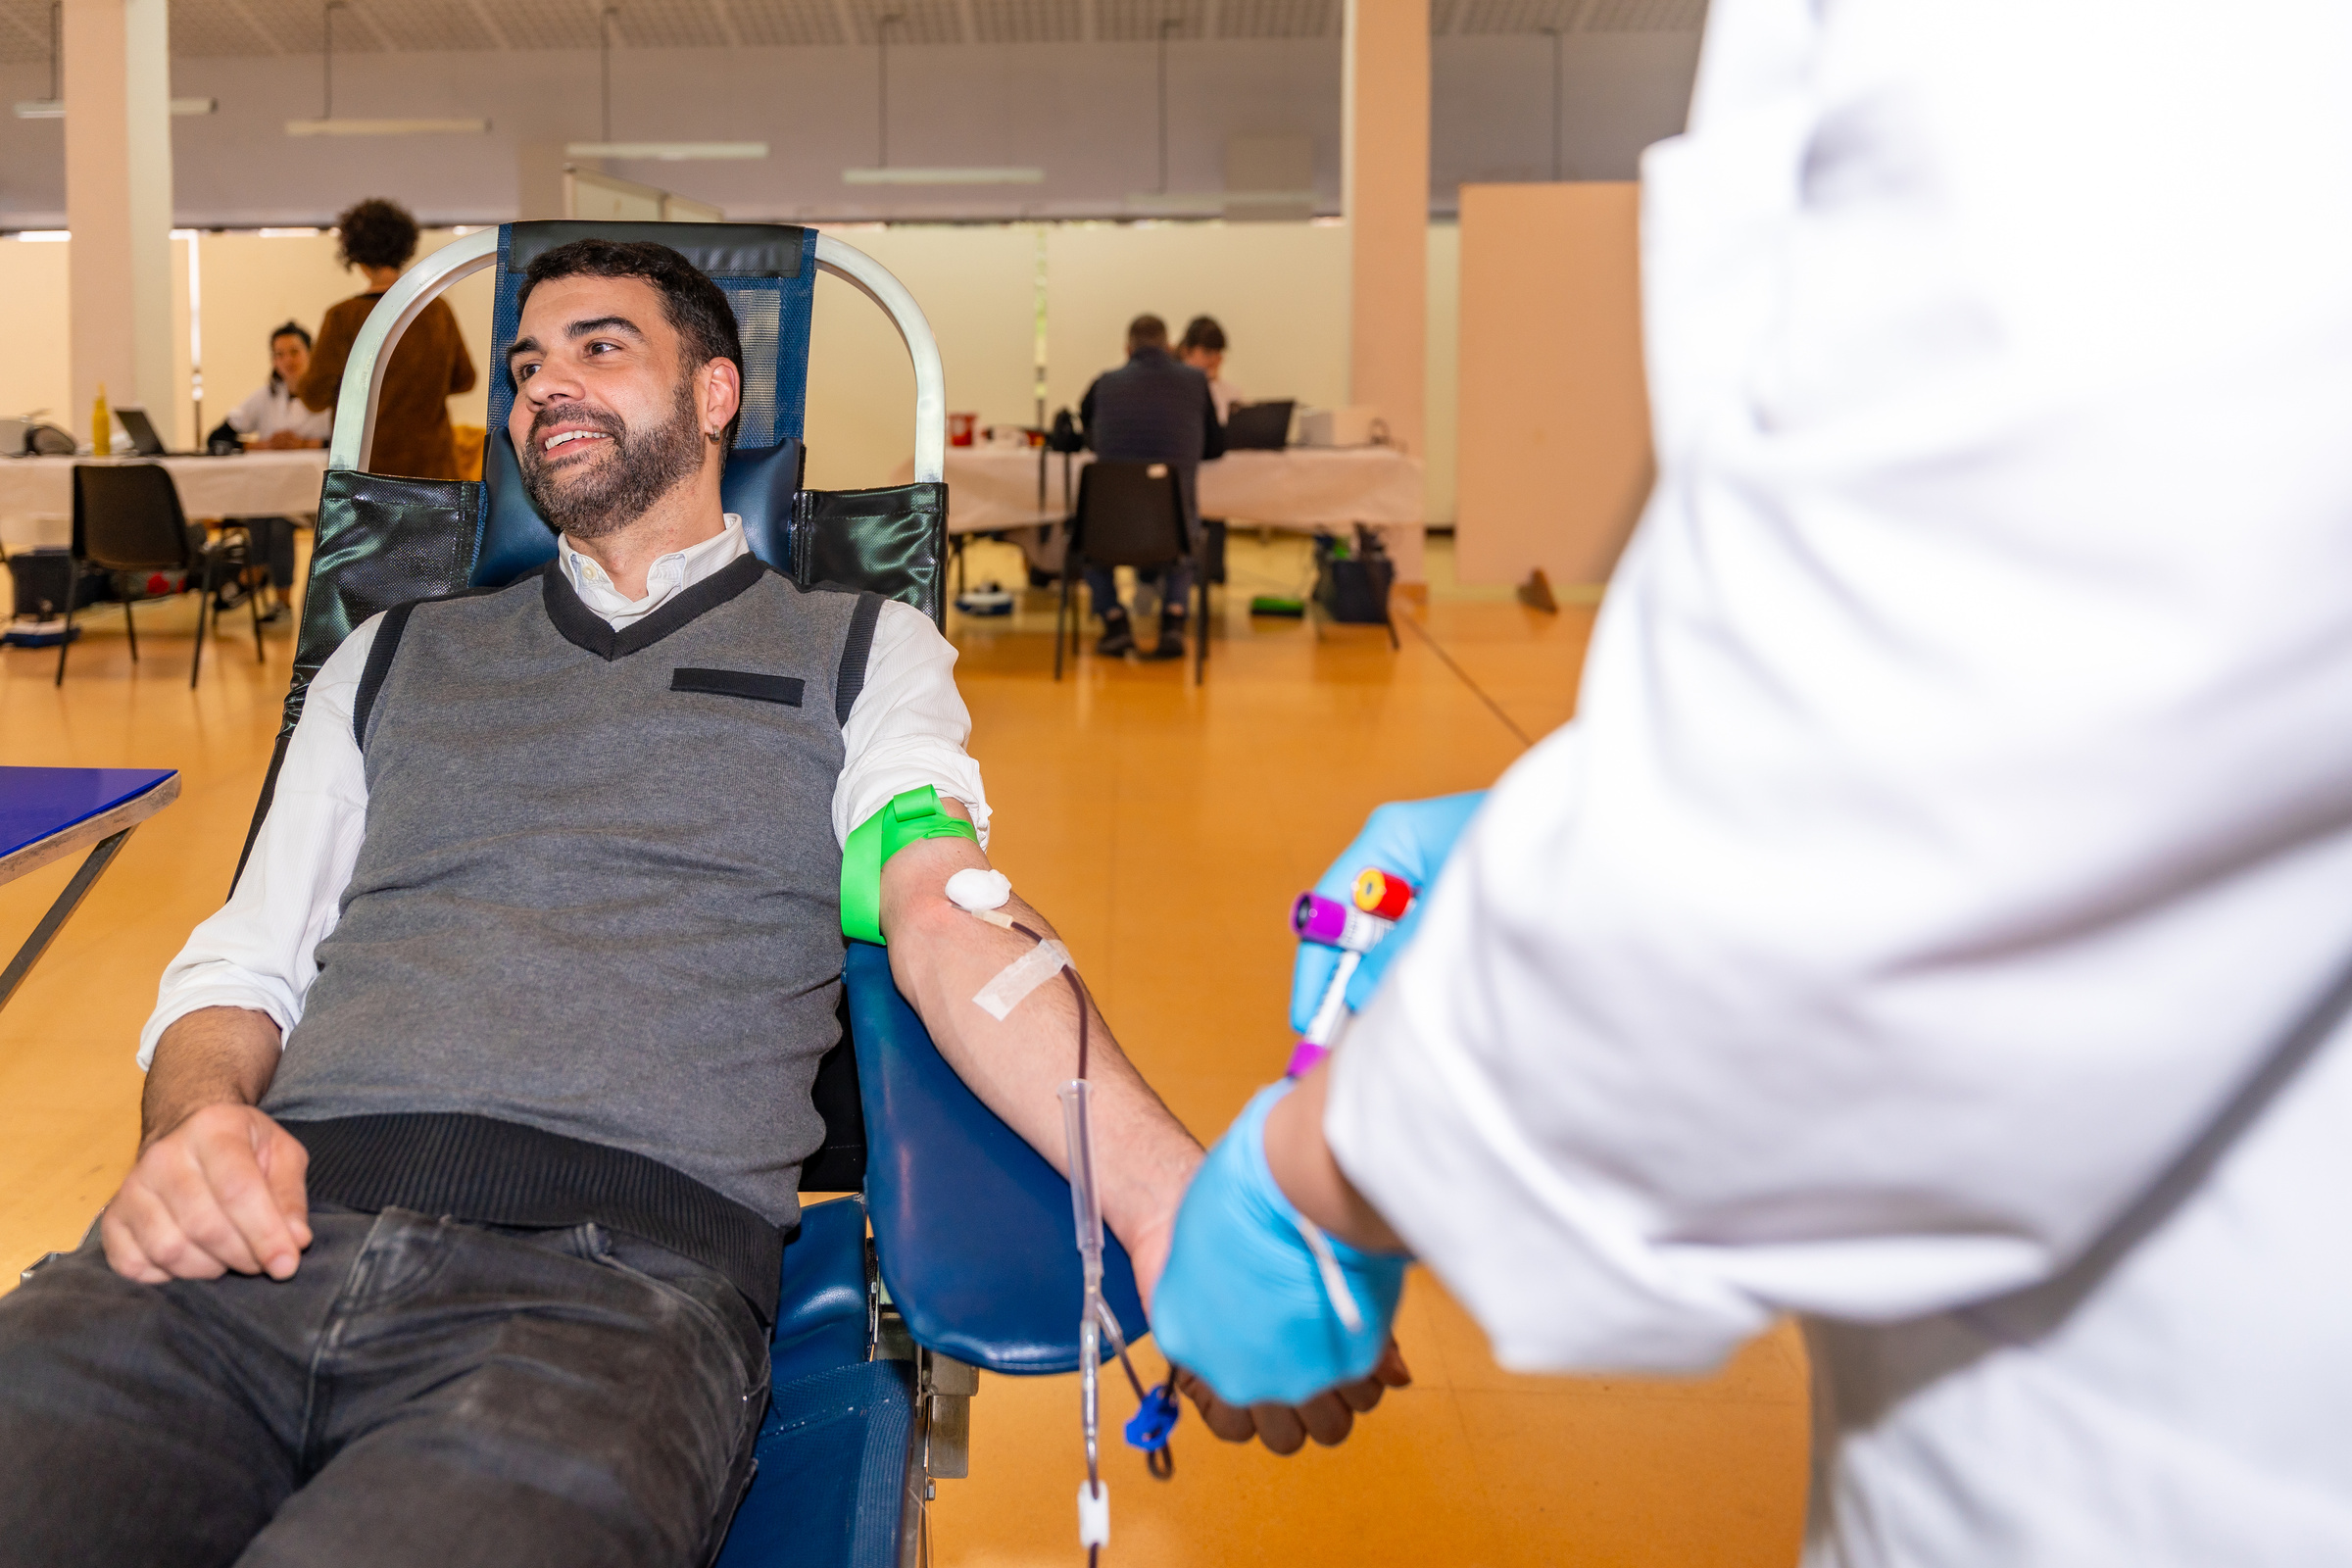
[385,127]
[668,152]
[45,237]
[55,108]
[966,175]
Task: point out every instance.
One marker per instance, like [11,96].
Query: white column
[118,71]
[1385,197]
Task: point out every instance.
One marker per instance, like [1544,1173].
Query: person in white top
[567,1036]
[1937,923]
[274,417]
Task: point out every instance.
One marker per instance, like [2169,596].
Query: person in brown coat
[429,365]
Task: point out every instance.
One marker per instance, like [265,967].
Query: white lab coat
[1959,813]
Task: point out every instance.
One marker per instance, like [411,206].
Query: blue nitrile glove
[1411,838]
[1243,1302]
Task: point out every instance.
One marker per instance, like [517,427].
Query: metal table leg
[60,912]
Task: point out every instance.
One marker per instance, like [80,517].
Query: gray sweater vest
[591,952]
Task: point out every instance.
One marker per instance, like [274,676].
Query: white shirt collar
[669,575]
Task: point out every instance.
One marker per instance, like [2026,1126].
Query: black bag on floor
[1353,581]
[38,579]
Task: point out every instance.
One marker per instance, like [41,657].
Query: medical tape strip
[1021,976]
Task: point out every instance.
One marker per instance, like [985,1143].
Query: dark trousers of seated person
[1175,582]
[421,1392]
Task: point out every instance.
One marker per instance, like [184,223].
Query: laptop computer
[1259,427]
[142,430]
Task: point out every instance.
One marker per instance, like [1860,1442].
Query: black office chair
[1130,515]
[126,518]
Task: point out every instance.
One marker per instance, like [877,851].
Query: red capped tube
[1383,893]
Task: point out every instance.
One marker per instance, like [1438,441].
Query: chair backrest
[1130,515]
[126,518]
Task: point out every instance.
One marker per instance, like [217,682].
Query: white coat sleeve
[260,951]
[1960,804]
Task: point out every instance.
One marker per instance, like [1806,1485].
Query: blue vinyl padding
[955,1197]
[834,1454]
[37,801]
[757,486]
[821,1308]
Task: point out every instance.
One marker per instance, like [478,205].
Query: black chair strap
[850,680]
[378,666]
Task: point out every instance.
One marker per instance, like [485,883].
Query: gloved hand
[1244,1303]
[1412,839]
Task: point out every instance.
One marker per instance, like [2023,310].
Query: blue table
[47,813]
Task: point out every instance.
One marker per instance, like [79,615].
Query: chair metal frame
[213,555]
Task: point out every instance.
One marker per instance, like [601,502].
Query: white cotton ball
[974,889]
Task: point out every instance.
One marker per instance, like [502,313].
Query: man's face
[607,417]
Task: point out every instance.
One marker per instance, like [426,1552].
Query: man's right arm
[217,1185]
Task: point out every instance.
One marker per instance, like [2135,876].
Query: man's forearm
[213,1056]
[941,957]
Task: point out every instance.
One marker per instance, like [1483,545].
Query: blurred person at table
[1150,410]
[429,365]
[276,418]
[1203,349]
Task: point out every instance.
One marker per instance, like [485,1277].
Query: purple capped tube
[1333,924]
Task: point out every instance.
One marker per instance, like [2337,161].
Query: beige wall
[1553,446]
[1280,289]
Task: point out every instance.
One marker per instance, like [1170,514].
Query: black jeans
[421,1392]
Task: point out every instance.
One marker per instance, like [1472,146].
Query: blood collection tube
[1316,918]
[1383,893]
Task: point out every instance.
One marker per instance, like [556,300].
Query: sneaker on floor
[1170,646]
[1118,639]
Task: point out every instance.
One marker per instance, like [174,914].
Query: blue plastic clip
[1150,1426]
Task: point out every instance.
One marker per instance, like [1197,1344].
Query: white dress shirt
[1959,811]
[273,407]
[908,729]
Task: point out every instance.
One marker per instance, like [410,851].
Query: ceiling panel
[425,25]
[24,32]
[765,23]
[917,20]
[1278,18]
[213,28]
[1647,16]
[1027,21]
[1520,16]
[544,24]
[1140,21]
[666,25]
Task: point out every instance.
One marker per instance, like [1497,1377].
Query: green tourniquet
[912,816]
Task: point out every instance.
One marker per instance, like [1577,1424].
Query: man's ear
[722,395]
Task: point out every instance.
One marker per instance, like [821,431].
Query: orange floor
[1165,828]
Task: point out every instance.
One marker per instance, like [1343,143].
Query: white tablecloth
[1304,487]
[36,494]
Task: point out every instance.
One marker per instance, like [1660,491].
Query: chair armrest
[972,1227]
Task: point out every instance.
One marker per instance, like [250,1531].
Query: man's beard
[643,466]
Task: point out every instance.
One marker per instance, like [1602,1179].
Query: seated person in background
[1150,410]
[430,366]
[275,416]
[1203,349]
[472,1121]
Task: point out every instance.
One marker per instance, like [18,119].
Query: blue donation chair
[970,1262]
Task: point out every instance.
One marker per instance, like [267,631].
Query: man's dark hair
[1146,332]
[697,307]
[1203,332]
[376,233]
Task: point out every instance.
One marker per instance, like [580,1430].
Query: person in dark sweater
[430,365]
[1154,409]
[473,1123]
